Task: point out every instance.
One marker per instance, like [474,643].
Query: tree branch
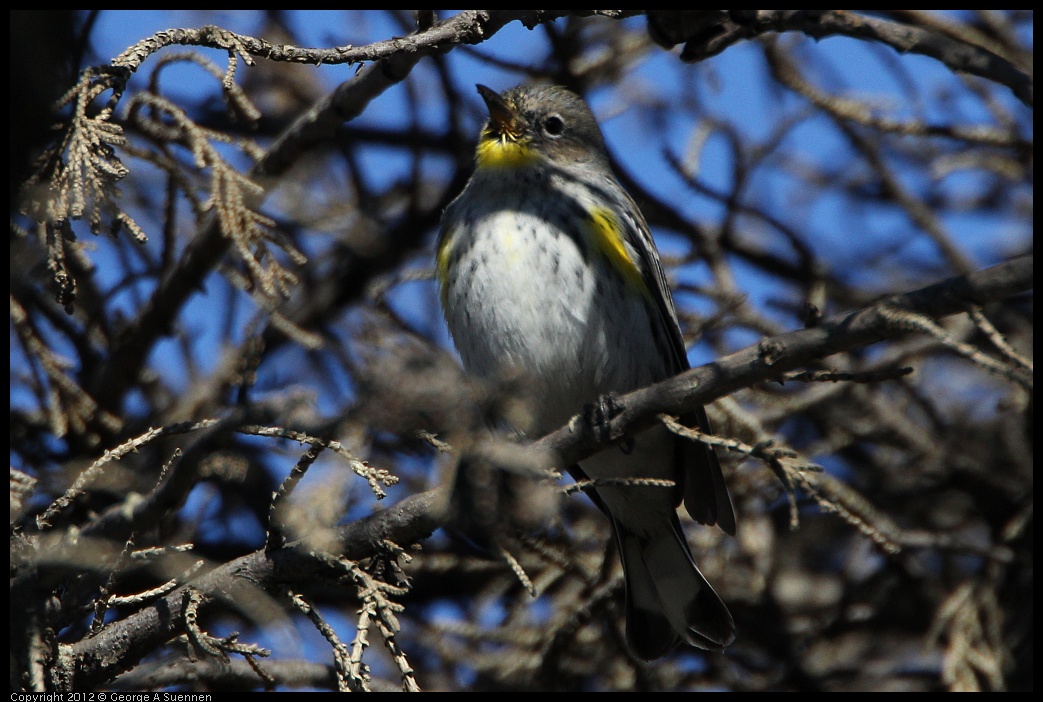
[206,251]
[120,645]
[903,38]
[776,355]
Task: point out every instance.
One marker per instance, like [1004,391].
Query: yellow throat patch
[500,151]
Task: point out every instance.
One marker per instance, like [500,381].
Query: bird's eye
[554,126]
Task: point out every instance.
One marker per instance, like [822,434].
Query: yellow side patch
[501,152]
[442,266]
[607,235]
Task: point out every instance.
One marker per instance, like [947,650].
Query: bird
[547,267]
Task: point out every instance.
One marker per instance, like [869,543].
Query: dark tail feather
[668,599]
[705,492]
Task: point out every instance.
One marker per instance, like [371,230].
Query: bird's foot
[599,415]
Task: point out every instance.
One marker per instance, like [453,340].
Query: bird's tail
[667,599]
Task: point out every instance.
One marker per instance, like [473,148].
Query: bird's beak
[504,119]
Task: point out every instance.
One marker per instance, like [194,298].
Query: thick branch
[241,584]
[776,355]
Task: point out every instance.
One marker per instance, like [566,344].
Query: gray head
[530,122]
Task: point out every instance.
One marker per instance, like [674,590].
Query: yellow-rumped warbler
[547,267]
